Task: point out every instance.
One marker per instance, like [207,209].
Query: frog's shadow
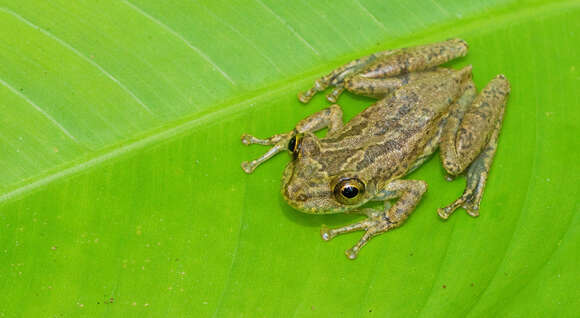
[317,220]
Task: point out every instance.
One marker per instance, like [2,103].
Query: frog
[421,107]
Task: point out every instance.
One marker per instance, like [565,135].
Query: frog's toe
[326,233]
[333,96]
[319,86]
[472,209]
[248,167]
[352,253]
[304,97]
[473,213]
[443,213]
[468,201]
[246,139]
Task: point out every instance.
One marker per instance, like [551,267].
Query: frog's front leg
[330,117]
[409,193]
[469,142]
[385,64]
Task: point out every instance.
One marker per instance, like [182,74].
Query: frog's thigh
[410,192]
[416,58]
[372,87]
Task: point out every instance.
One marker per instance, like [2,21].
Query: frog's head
[307,185]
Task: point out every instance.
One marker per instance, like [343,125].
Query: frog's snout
[307,197]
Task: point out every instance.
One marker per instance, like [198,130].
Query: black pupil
[292,144]
[349,191]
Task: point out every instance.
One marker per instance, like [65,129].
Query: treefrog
[421,107]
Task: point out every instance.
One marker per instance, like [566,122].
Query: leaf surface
[121,191]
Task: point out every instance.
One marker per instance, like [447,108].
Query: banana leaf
[121,192]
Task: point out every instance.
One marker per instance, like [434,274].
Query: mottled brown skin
[421,107]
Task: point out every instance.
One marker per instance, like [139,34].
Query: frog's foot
[319,86]
[337,77]
[469,201]
[376,224]
[476,178]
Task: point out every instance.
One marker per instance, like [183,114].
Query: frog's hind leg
[469,142]
[387,64]
[409,193]
[337,76]
[330,117]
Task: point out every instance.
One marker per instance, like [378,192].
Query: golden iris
[349,190]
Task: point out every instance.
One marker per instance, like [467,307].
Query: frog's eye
[349,191]
[294,145]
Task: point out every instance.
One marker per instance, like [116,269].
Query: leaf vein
[372,16]
[40,110]
[288,26]
[79,54]
[184,40]
[245,38]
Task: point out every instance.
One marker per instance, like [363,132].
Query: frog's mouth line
[287,176]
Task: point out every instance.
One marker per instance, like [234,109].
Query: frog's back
[388,136]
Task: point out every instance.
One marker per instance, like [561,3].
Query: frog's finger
[352,252]
[250,166]
[445,212]
[333,96]
[327,233]
[249,139]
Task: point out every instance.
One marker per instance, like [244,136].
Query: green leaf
[121,191]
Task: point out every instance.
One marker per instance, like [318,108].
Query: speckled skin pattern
[420,107]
